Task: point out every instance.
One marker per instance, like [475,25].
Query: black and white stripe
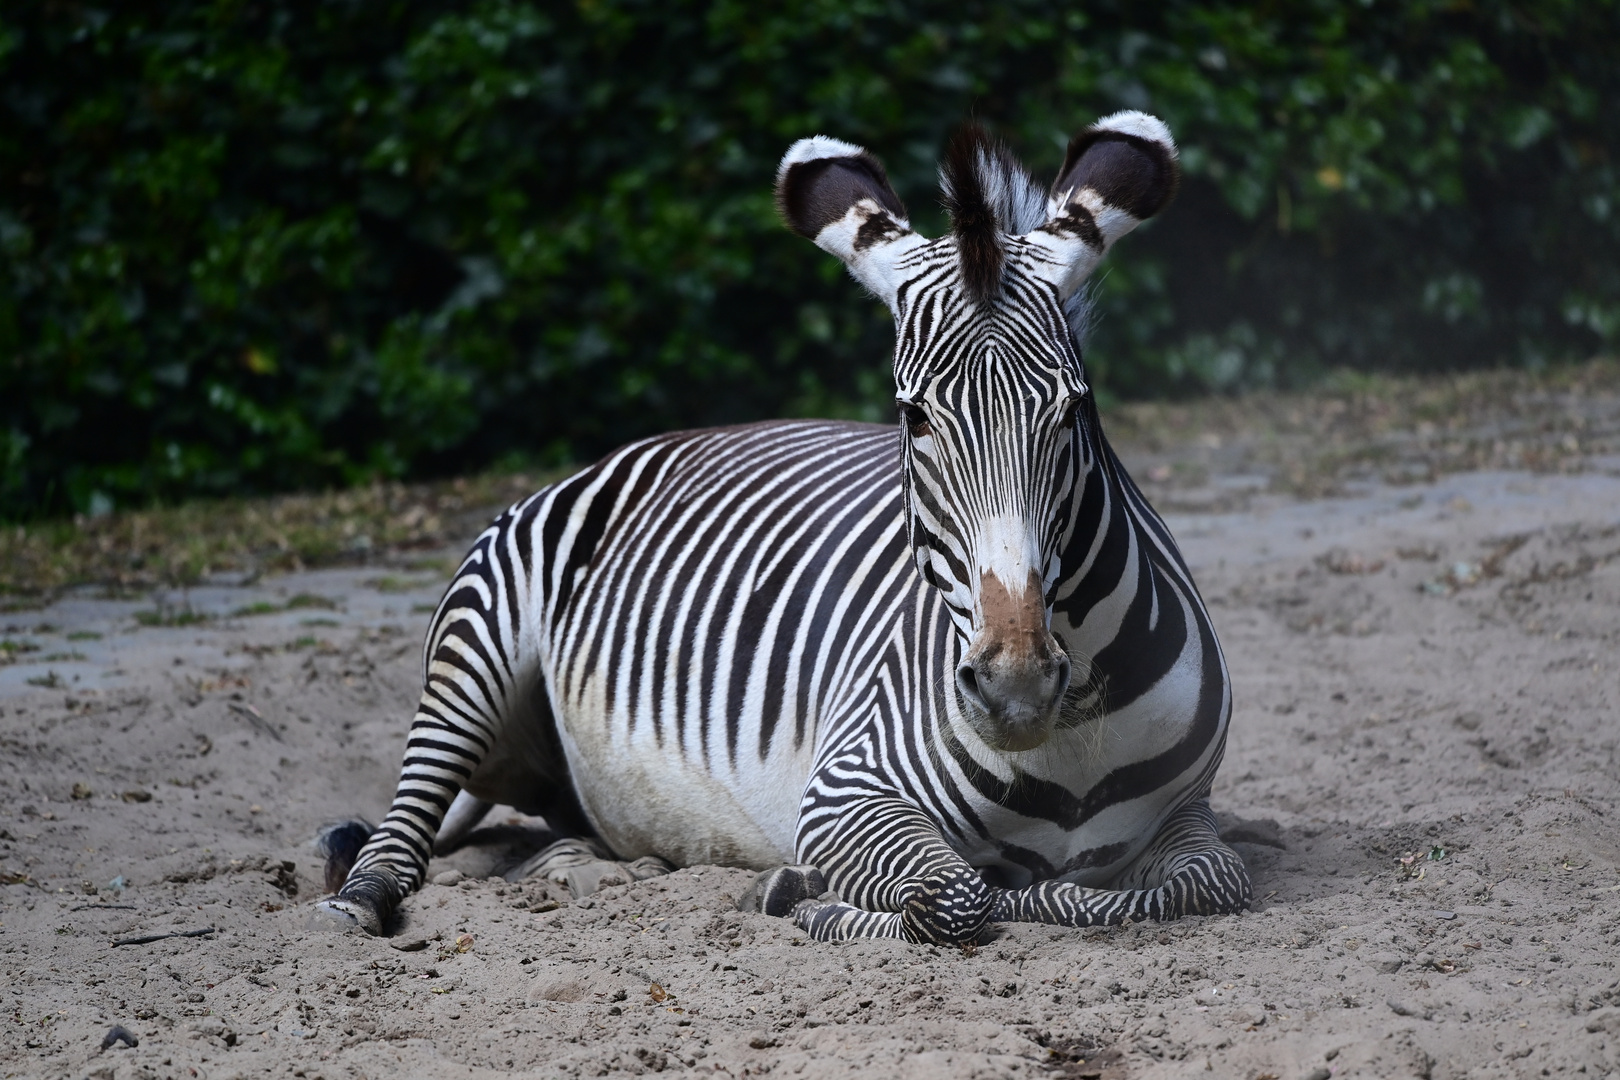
[956,675]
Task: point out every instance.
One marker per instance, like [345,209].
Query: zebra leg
[463,817]
[1186,870]
[585,866]
[895,875]
[447,742]
[474,687]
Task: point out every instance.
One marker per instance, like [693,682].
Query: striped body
[718,617]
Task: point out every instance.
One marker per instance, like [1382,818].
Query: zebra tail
[339,842]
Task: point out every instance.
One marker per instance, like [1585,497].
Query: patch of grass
[83,635]
[391,584]
[12,648]
[424,609]
[319,622]
[172,617]
[301,602]
[305,642]
[50,681]
[62,657]
[1398,429]
[443,567]
[179,545]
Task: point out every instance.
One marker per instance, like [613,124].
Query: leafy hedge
[261,244]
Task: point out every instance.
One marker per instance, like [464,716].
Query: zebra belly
[645,794]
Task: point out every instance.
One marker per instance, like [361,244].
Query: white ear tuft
[814,149]
[1139,124]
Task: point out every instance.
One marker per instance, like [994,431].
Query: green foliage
[258,245]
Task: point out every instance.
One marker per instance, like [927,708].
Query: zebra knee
[948,908]
[1212,882]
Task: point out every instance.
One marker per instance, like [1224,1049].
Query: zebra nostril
[967,679]
[1064,670]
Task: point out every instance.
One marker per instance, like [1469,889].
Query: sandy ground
[1422,776]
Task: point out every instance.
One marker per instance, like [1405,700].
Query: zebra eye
[916,420]
[1071,415]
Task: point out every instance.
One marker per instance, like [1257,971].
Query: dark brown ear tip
[1139,175]
[793,188]
[813,193]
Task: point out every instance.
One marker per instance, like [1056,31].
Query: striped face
[989,394]
[988,378]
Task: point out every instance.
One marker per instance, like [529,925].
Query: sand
[1422,777]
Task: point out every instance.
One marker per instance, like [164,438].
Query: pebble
[1387,962]
[1319,1073]
[1607,1019]
[449,877]
[1253,1015]
[1406,1008]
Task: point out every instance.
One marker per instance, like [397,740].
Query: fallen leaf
[464,943]
[656,992]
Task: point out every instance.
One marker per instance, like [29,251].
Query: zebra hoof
[345,916]
[778,892]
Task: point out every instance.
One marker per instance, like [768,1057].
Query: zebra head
[988,379]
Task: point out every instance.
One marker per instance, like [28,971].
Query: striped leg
[469,692]
[1185,871]
[899,877]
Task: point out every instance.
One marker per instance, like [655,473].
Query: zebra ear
[1118,172]
[838,195]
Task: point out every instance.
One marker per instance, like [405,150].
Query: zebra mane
[987,193]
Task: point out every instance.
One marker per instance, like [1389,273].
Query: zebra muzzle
[1015,673]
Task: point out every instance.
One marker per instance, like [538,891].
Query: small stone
[137,795]
[761,1041]
[1440,913]
[1387,962]
[1606,1019]
[449,877]
[1406,1008]
[1321,1072]
[1424,960]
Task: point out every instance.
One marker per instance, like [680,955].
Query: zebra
[924,678]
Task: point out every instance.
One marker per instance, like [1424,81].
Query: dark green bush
[258,244]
